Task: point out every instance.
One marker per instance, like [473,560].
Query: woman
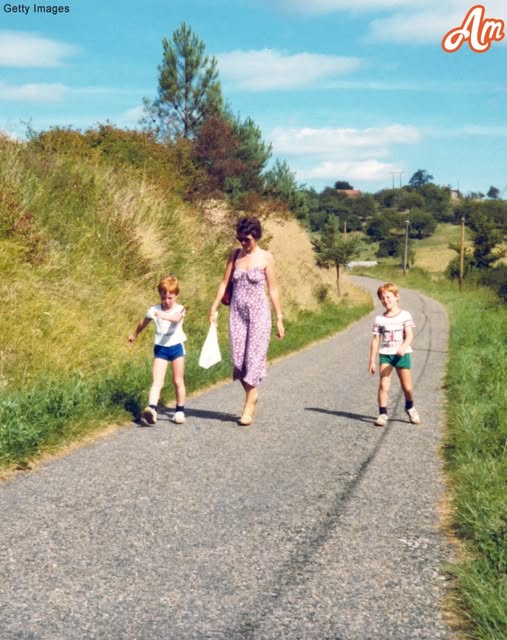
[251,268]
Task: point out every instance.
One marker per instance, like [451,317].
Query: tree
[333,203]
[188,87]
[253,152]
[381,225]
[422,224]
[363,206]
[406,200]
[493,193]
[215,149]
[333,249]
[342,185]
[486,237]
[420,178]
[437,200]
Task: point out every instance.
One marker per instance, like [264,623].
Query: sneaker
[179,417]
[381,421]
[413,416]
[150,415]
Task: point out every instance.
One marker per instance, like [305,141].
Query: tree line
[193,141]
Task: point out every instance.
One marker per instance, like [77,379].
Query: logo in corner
[479,32]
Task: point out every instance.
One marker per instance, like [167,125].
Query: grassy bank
[85,236]
[475,449]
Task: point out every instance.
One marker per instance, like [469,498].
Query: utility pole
[400,173]
[462,253]
[407,222]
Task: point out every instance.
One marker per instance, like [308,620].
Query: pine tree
[188,87]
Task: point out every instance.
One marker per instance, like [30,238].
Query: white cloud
[363,170]
[268,70]
[20,49]
[358,154]
[33,92]
[401,21]
[373,141]
[430,23]
[132,115]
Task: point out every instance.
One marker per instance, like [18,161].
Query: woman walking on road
[251,268]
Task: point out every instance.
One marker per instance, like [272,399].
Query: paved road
[311,525]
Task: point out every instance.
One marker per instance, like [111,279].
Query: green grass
[475,448]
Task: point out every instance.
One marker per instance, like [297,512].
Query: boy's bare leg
[178,367]
[158,371]
[405,377]
[385,372]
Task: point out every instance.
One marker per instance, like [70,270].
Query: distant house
[350,193]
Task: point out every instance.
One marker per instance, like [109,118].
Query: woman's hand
[280,329]
[213,317]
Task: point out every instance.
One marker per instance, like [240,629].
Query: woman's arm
[274,294]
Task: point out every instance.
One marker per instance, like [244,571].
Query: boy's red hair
[169,284]
[388,286]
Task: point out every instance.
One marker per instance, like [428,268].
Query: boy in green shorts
[392,339]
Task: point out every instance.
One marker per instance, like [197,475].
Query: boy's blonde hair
[388,286]
[169,284]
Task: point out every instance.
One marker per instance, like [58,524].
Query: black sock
[153,406]
[408,404]
[382,410]
[180,407]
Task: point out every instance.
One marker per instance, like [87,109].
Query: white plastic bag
[210,352]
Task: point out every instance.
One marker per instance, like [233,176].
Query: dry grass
[299,278]
[433,254]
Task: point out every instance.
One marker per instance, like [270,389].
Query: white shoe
[413,416]
[179,417]
[150,415]
[381,421]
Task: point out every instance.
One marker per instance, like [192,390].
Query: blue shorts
[399,362]
[169,353]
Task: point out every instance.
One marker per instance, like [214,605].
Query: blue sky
[356,90]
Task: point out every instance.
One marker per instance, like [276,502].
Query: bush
[496,279]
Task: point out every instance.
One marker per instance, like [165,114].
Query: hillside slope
[82,247]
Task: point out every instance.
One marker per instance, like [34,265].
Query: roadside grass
[474,447]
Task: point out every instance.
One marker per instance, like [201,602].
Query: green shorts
[399,362]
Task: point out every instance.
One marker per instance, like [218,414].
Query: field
[434,254]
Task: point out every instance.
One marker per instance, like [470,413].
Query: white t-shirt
[167,333]
[391,330]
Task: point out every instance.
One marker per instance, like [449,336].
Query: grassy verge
[62,410]
[475,449]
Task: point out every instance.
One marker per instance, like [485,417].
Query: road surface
[310,525]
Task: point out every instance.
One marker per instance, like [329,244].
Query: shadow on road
[204,414]
[343,414]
